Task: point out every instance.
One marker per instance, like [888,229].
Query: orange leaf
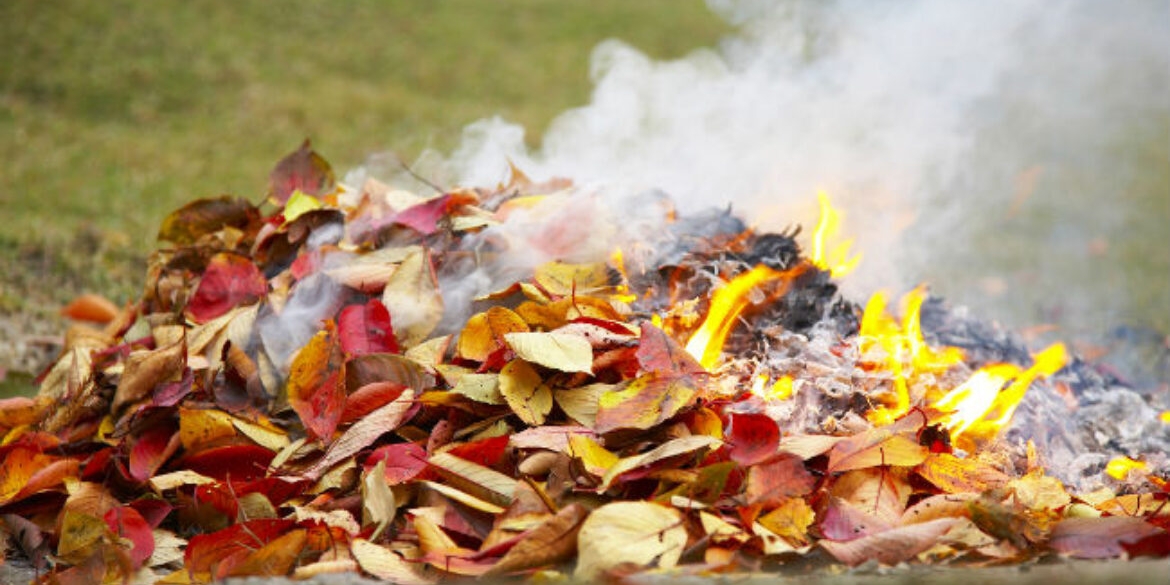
[647,401]
[91,307]
[19,465]
[657,351]
[484,332]
[316,383]
[276,558]
[771,483]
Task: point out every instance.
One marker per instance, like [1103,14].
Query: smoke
[1014,154]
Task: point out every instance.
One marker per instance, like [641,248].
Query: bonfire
[459,384]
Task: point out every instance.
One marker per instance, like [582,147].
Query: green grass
[113,113]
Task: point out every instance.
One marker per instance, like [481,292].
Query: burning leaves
[294,401]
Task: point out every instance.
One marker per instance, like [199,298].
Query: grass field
[114,113]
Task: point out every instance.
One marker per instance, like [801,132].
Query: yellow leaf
[720,530]
[581,403]
[671,448]
[198,427]
[475,478]
[463,498]
[596,459]
[298,204]
[388,565]
[647,401]
[525,392]
[431,351]
[1037,491]
[560,351]
[790,520]
[262,433]
[80,535]
[563,279]
[378,504]
[275,559]
[175,479]
[484,332]
[639,533]
[483,388]
[413,299]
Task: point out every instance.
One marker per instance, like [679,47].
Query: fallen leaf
[388,565]
[581,403]
[641,533]
[553,541]
[90,307]
[302,170]
[667,450]
[424,217]
[560,351]
[206,554]
[874,448]
[17,467]
[199,427]
[645,402]
[240,462]
[525,392]
[127,523]
[483,482]
[366,329]
[198,218]
[892,546]
[79,536]
[842,521]
[403,461]
[790,520]
[146,369]
[316,383]
[378,504]
[774,481]
[954,475]
[364,432]
[596,460]
[412,297]
[752,438]
[657,351]
[151,450]
[229,281]
[1099,538]
[276,558]
[1037,491]
[484,333]
[563,279]
[880,492]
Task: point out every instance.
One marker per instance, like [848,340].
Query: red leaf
[153,511]
[1155,545]
[369,398]
[151,449]
[129,524]
[404,461]
[239,462]
[424,217]
[217,551]
[230,280]
[366,329]
[753,438]
[486,452]
[782,477]
[303,170]
[657,351]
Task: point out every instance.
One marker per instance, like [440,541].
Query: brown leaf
[364,432]
[192,221]
[555,540]
[147,369]
[657,351]
[892,546]
[774,481]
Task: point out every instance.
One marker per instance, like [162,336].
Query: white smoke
[924,121]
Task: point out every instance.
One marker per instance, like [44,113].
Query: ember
[302,391]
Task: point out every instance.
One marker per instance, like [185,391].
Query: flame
[617,259]
[781,389]
[979,408]
[906,352]
[1165,417]
[983,405]
[1120,467]
[837,261]
[726,304]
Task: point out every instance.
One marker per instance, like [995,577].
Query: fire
[979,408]
[781,389]
[617,259]
[837,261]
[706,344]
[1165,417]
[906,352]
[1120,467]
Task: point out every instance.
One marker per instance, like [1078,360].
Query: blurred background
[1028,149]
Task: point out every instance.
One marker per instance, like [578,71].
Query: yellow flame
[726,304]
[906,352]
[983,405]
[781,389]
[617,259]
[1165,417]
[837,261]
[1120,467]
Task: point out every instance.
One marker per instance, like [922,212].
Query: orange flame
[781,389]
[837,261]
[706,344]
[623,294]
[1120,467]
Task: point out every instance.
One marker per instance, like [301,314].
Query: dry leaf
[525,392]
[563,279]
[365,431]
[667,450]
[560,351]
[641,533]
[378,503]
[413,299]
[892,546]
[647,401]
[388,565]
[484,332]
[551,542]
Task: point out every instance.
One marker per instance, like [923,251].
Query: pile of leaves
[556,431]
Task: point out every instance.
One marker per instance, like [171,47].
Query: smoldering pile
[494,382]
